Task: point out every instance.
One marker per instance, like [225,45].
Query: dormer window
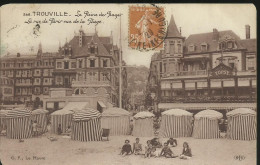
[191,48]
[92,49]
[204,47]
[230,45]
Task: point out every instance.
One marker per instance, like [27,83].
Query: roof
[177,112]
[201,106]
[100,41]
[86,114]
[249,44]
[39,111]
[18,113]
[62,112]
[143,114]
[172,30]
[197,39]
[3,113]
[114,111]
[241,111]
[209,114]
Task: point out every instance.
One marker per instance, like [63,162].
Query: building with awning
[206,70]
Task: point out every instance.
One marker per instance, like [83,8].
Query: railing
[208,99]
[186,73]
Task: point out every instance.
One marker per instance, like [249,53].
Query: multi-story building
[214,67]
[87,65]
[6,89]
[32,74]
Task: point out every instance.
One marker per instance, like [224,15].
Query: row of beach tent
[86,124]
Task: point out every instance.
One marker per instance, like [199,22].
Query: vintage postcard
[128,84]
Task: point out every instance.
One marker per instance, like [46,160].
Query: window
[46,63]
[250,63]
[104,76]
[179,48]
[46,80]
[92,63]
[204,47]
[80,63]
[160,67]
[66,65]
[230,44]
[59,65]
[172,48]
[104,63]
[73,64]
[165,67]
[92,49]
[191,48]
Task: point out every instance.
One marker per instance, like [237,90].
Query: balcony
[186,73]
[208,99]
[90,83]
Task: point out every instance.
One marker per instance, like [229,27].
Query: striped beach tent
[86,125]
[206,124]
[3,117]
[241,124]
[176,123]
[62,117]
[19,124]
[143,124]
[41,116]
[117,120]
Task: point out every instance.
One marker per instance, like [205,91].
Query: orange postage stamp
[147,27]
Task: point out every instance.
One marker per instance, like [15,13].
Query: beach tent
[3,117]
[76,106]
[176,123]
[19,124]
[241,124]
[86,125]
[206,124]
[143,124]
[41,116]
[62,117]
[117,120]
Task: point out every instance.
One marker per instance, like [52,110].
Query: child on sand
[149,150]
[126,149]
[167,152]
[59,130]
[34,126]
[172,142]
[137,147]
[186,152]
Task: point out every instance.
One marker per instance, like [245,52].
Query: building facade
[84,66]
[214,67]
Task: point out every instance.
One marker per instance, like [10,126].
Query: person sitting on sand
[137,147]
[126,149]
[186,152]
[172,142]
[59,130]
[167,152]
[156,143]
[149,150]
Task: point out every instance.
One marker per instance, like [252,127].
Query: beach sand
[64,151]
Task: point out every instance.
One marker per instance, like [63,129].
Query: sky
[16,35]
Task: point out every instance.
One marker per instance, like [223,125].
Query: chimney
[18,54]
[247,32]
[215,36]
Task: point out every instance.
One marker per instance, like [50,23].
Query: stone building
[85,66]
[213,67]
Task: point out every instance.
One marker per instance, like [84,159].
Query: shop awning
[203,106]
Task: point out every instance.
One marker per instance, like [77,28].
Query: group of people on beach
[154,148]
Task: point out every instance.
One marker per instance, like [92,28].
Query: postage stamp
[147,27]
